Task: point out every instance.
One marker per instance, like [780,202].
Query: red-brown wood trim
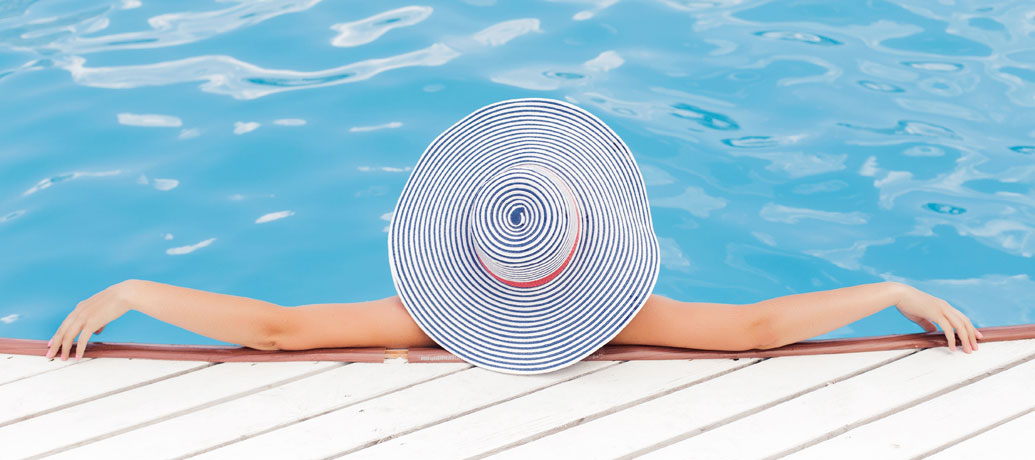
[211,353]
[807,347]
[219,353]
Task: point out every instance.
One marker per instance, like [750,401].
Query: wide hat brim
[444,284]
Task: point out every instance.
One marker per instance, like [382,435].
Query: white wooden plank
[832,409]
[14,367]
[936,422]
[699,406]
[1009,440]
[84,380]
[420,405]
[164,399]
[528,417]
[244,417]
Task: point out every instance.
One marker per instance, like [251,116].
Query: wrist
[129,292]
[898,290]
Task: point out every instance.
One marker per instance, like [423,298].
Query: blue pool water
[258,148]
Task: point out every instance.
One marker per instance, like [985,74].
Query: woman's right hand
[89,317]
[926,310]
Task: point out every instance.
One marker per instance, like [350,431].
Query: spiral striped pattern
[522,241]
[525,225]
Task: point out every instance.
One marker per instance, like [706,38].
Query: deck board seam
[42,372]
[974,434]
[900,408]
[467,412]
[757,409]
[612,410]
[188,410]
[319,414]
[104,395]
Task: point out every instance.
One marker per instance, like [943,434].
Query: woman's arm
[796,317]
[374,323]
[783,320]
[229,318]
[666,322]
[249,322]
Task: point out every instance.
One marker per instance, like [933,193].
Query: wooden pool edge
[219,353]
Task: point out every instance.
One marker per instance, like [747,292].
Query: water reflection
[770,134]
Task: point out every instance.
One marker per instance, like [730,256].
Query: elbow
[265,346]
[272,335]
[762,333]
[268,340]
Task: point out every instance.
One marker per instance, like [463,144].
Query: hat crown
[524,224]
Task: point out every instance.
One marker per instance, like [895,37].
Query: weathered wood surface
[888,404]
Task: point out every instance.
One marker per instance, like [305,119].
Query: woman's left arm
[796,317]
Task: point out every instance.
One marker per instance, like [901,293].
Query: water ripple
[704,118]
[779,213]
[804,37]
[506,31]
[755,142]
[942,208]
[882,87]
[48,182]
[369,29]
[184,27]
[909,127]
[241,80]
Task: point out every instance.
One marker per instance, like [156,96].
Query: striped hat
[522,241]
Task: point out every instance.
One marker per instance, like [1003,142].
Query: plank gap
[763,407]
[41,372]
[105,394]
[321,413]
[900,408]
[189,410]
[612,410]
[458,415]
[974,434]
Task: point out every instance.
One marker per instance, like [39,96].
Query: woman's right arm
[249,322]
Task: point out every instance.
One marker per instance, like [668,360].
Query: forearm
[224,317]
[797,317]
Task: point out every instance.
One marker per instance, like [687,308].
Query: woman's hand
[925,309]
[89,317]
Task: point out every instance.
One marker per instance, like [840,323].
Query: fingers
[972,331]
[66,343]
[961,331]
[59,336]
[69,335]
[949,333]
[964,328]
[80,346]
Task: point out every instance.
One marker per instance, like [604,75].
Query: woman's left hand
[89,317]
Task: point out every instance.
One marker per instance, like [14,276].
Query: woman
[522,242]
[385,323]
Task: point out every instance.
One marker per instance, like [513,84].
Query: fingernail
[49,343]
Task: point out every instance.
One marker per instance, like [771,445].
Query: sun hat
[522,241]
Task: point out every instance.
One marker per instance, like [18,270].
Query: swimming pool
[258,149]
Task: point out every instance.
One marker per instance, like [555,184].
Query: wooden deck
[890,404]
